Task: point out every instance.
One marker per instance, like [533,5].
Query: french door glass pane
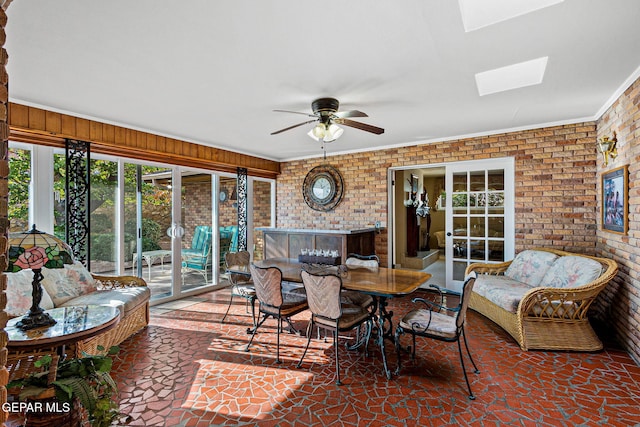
[477,217]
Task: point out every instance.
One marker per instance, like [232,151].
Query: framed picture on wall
[615,200]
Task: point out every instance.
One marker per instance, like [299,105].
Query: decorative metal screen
[77,195]
[242,209]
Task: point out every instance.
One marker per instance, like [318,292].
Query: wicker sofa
[541,298]
[71,286]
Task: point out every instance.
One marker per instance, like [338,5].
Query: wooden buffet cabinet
[288,242]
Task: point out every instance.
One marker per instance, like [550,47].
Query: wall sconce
[608,148]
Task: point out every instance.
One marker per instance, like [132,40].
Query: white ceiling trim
[614,97]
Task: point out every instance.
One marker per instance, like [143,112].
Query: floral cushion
[501,290]
[530,266]
[62,284]
[571,271]
[124,299]
[19,292]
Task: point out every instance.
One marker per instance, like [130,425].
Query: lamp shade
[333,132]
[35,249]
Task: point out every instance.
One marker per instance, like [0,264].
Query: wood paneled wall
[35,125]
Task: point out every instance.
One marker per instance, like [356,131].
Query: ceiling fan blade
[361,126]
[295,112]
[294,126]
[351,113]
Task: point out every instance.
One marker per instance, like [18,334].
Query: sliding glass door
[167,224]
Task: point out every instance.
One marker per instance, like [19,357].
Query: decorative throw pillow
[19,290]
[529,266]
[69,282]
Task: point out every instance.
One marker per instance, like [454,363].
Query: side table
[74,323]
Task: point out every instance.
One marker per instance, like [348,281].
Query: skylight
[514,76]
[481,13]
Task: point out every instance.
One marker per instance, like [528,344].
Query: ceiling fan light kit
[327,118]
[326,133]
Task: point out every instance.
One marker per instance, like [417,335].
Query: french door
[479,220]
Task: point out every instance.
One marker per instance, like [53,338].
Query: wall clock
[322,188]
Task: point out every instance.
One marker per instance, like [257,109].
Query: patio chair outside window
[198,257]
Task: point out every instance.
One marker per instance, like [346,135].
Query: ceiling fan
[326,114]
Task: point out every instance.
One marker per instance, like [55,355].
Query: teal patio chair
[198,257]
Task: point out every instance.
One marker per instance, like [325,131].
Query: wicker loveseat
[73,285]
[541,298]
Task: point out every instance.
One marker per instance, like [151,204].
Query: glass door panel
[151,254]
[227,217]
[197,254]
[103,192]
[261,215]
[479,218]
[19,189]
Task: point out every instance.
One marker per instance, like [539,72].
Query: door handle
[175,231]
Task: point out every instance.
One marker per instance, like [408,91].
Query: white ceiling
[211,72]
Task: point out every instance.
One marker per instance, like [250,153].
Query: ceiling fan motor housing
[325,107]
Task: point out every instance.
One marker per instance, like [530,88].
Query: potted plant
[85,380]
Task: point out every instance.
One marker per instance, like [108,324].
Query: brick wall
[619,303]
[555,181]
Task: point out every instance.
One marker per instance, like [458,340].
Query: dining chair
[274,302]
[355,261]
[437,321]
[241,284]
[368,261]
[327,311]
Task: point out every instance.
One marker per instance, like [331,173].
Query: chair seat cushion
[246,291]
[125,299]
[430,322]
[292,303]
[352,315]
[356,298]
